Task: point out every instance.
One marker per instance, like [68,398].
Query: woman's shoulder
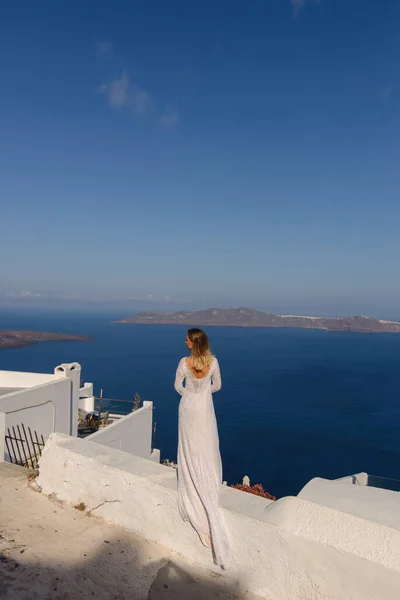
[185,360]
[213,363]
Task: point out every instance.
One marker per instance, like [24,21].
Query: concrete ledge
[356,479]
[293,549]
[370,503]
[245,504]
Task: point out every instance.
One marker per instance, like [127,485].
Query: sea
[295,404]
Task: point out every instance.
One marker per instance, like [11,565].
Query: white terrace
[335,540]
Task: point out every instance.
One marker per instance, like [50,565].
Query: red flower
[257,490]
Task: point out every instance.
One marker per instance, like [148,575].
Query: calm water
[295,404]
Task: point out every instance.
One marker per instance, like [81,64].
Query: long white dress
[199,459]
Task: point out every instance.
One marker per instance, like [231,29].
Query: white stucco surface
[72,372]
[44,402]
[44,408]
[292,549]
[357,479]
[86,397]
[8,390]
[373,504]
[132,433]
[245,504]
[22,379]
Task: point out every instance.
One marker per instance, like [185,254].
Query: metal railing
[100,401]
[24,448]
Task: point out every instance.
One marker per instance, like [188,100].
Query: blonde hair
[201,353]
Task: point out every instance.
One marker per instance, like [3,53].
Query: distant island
[246,317]
[20,339]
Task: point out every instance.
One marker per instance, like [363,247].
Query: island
[247,317]
[20,339]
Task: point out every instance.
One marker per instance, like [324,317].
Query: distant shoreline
[14,339]
[246,317]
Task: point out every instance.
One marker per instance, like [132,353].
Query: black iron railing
[24,446]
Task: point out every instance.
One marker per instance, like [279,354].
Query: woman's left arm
[216,382]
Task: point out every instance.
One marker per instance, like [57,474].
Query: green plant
[137,401]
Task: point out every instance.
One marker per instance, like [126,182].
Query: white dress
[199,459]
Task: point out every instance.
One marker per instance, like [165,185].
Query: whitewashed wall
[72,372]
[44,402]
[370,503]
[86,397]
[44,408]
[132,433]
[292,549]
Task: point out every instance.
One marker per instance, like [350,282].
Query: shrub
[137,401]
[256,489]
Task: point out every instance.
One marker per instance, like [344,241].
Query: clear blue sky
[188,154]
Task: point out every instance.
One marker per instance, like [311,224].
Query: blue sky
[181,154]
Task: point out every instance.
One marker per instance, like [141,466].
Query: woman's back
[198,382]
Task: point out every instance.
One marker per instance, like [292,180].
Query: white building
[49,403]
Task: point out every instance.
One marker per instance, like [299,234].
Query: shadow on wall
[117,572]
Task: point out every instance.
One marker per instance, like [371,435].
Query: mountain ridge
[19,339]
[247,317]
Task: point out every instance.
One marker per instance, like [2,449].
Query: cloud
[121,93]
[151,298]
[23,294]
[387,92]
[141,102]
[175,300]
[30,295]
[298,5]
[104,49]
[170,117]
[30,298]
[117,92]
[124,94]
[148,297]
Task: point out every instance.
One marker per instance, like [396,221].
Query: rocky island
[20,339]
[246,317]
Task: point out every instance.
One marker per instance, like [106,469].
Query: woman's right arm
[179,378]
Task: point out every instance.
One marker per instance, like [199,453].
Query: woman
[199,459]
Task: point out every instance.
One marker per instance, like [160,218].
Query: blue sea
[295,404]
